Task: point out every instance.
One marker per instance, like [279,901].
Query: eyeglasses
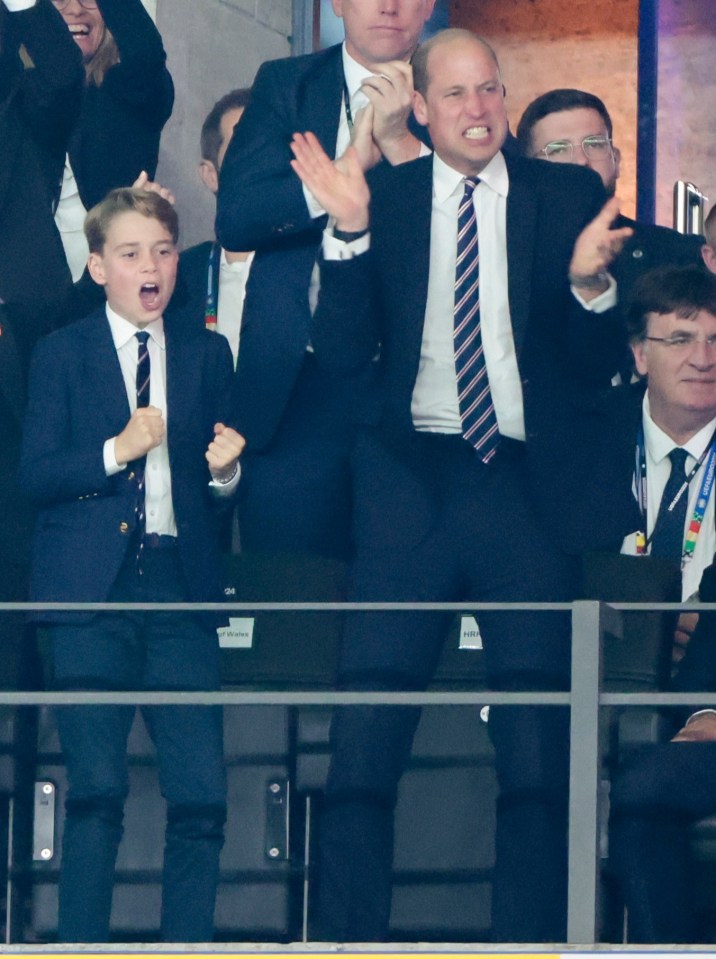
[682,342]
[87,4]
[594,148]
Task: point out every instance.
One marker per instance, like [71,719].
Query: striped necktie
[477,412]
[142,387]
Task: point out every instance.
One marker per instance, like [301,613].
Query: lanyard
[709,457]
[347,105]
[212,287]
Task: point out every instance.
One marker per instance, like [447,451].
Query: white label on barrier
[239,634]
[470,633]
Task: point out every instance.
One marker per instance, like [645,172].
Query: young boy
[124,450]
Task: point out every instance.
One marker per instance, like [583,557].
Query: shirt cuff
[334,249]
[600,304]
[111,466]
[226,489]
[314,207]
[699,712]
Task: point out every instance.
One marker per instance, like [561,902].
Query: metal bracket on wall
[277,819]
[43,830]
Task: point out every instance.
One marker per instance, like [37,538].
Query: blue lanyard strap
[709,457]
[212,287]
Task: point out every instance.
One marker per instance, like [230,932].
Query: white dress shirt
[658,469]
[159,508]
[232,294]
[70,221]
[434,404]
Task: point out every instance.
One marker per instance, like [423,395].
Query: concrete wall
[686,111]
[212,47]
[543,44]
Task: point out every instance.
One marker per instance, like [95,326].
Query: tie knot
[678,460]
[143,337]
[470,184]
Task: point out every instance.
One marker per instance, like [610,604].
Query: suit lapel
[319,108]
[410,272]
[102,372]
[521,229]
[183,381]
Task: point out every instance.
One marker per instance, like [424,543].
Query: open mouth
[149,296]
[79,29]
[476,133]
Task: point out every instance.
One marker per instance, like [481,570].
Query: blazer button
[124,527]
[130,476]
[637,254]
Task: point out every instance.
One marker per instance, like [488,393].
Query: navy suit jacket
[651,246]
[377,300]
[77,399]
[261,206]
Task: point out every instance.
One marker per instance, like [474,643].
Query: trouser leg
[94,743]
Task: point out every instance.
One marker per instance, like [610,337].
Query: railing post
[589,619]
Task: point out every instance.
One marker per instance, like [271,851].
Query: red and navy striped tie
[477,412]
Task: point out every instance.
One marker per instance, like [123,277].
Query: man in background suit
[14,508]
[295,493]
[37,110]
[665,787]
[211,281]
[444,509]
[573,126]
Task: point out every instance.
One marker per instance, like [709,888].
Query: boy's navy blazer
[77,399]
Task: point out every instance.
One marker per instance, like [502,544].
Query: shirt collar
[123,331]
[659,444]
[355,73]
[447,181]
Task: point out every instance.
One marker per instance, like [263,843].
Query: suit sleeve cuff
[220,489]
[699,712]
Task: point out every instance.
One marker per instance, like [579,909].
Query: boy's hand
[143,432]
[223,452]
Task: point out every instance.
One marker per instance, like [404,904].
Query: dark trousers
[434,524]
[654,800]
[144,651]
[295,496]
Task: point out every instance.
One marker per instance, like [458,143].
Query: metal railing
[590,621]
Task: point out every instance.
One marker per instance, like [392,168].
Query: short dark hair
[710,227]
[421,78]
[554,101]
[211,127]
[683,290]
[128,200]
